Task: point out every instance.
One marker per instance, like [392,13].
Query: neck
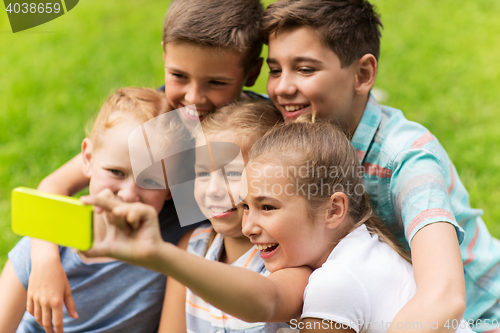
[332,238]
[357,110]
[233,248]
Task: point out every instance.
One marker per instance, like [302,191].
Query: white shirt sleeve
[335,294]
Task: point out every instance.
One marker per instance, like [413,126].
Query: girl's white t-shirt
[363,285]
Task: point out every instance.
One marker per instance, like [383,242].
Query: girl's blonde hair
[141,104]
[328,163]
[248,119]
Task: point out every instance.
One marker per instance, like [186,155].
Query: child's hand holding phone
[129,231]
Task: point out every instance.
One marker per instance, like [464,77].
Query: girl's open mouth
[267,250]
[219,212]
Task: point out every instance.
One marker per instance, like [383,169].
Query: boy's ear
[254,73]
[163,47]
[336,209]
[366,74]
[87,157]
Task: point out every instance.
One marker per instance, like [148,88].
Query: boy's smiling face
[306,76]
[108,167]
[205,76]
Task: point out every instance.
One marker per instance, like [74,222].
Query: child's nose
[195,95]
[217,186]
[250,225]
[285,85]
[129,193]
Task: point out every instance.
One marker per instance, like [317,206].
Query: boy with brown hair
[323,57]
[211,51]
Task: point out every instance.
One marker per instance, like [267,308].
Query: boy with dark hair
[231,25]
[211,51]
[323,58]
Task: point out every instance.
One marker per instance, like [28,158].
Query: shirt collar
[367,127]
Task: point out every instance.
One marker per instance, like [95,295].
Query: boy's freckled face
[204,76]
[306,76]
[111,168]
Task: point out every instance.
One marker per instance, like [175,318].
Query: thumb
[97,250]
[70,303]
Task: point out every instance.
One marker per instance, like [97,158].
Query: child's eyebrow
[112,166]
[220,78]
[202,165]
[306,59]
[263,198]
[214,78]
[296,59]
[271,61]
[173,69]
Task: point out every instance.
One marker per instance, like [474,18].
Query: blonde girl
[239,124]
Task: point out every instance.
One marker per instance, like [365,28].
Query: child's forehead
[201,53]
[297,40]
[117,131]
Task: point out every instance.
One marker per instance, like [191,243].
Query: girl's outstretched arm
[440,297]
[48,287]
[13,303]
[173,315]
[67,180]
[133,235]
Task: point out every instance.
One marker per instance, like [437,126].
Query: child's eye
[202,174]
[217,83]
[234,174]
[152,184]
[306,70]
[268,207]
[274,71]
[245,206]
[116,172]
[178,75]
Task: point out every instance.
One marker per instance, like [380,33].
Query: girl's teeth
[262,247]
[291,108]
[218,210]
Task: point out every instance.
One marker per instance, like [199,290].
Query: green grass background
[439,64]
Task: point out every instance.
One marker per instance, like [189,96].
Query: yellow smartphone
[55,218]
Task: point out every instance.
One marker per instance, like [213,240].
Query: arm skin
[173,315]
[67,180]
[13,302]
[275,298]
[439,275]
[48,285]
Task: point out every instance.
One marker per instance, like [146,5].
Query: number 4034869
[33,8]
